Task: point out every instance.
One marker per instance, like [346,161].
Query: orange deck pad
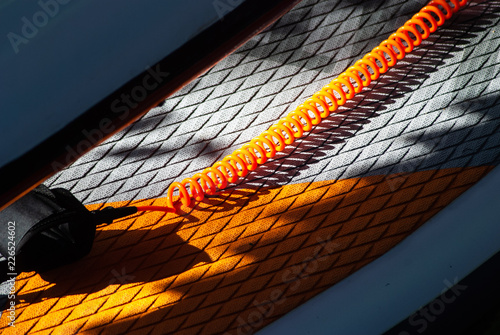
[234,263]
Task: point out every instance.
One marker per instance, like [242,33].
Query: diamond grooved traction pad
[358,184]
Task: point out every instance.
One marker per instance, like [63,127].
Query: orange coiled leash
[313,110]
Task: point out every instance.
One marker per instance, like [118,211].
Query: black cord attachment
[48,228]
[108,214]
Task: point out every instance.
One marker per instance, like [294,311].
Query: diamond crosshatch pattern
[341,196]
[436,108]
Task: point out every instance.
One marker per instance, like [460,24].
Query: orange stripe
[238,261]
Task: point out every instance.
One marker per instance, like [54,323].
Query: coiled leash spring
[314,109]
[54,228]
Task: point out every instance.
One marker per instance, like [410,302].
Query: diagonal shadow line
[144,124]
[350,118]
[348,122]
[355,114]
[94,272]
[407,75]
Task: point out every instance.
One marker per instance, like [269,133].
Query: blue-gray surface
[59,58]
[438,108]
[386,291]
